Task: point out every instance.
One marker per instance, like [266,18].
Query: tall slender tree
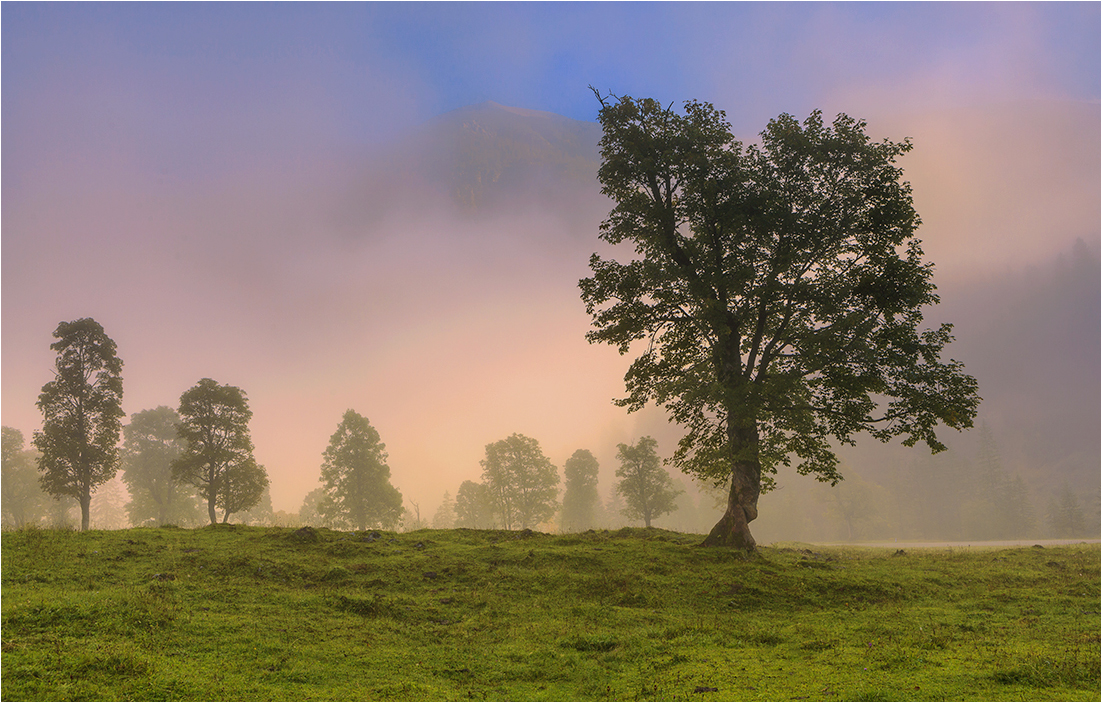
[354,472]
[778,290]
[215,427]
[82,414]
[647,489]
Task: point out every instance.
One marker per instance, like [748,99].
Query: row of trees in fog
[780,289]
[176,462]
[519,488]
[195,464]
[170,458]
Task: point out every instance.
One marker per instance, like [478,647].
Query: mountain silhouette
[488,155]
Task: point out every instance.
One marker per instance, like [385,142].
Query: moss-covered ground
[238,613]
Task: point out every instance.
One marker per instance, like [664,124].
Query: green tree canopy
[215,428]
[522,482]
[247,495]
[21,497]
[357,479]
[245,490]
[647,489]
[778,289]
[150,445]
[580,500]
[82,414]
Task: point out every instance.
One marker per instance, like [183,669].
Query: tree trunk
[85,509]
[211,511]
[733,529]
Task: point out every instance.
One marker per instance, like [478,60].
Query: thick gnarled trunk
[733,529]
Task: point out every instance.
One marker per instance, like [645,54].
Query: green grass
[239,613]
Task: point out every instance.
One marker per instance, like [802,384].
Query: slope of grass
[230,612]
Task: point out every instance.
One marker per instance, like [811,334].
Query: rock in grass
[306,534]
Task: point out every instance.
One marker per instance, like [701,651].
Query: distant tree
[411,519]
[474,506]
[247,485]
[357,479]
[998,506]
[855,506]
[522,482]
[612,511]
[580,501]
[1065,515]
[779,289]
[686,515]
[647,489]
[21,497]
[82,411]
[109,507]
[63,513]
[215,429]
[283,518]
[150,445]
[1019,505]
[309,513]
[444,518]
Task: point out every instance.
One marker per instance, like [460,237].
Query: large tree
[82,414]
[214,424]
[647,489]
[778,292]
[150,445]
[580,500]
[22,501]
[522,482]
[356,478]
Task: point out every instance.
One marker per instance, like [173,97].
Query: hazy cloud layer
[240,193]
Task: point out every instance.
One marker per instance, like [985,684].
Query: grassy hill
[231,612]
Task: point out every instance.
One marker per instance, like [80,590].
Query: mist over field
[414,255]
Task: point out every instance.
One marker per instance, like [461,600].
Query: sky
[183,172]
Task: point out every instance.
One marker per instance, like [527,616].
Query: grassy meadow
[240,613]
